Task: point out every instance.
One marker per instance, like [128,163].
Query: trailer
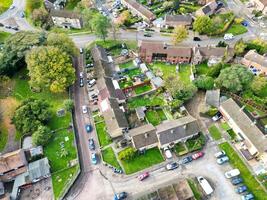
[205,185]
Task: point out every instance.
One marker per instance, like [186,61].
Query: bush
[127,154]
[195,143]
[211,112]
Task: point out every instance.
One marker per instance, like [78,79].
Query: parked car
[168,153]
[232,173]
[1,24]
[217,117]
[22,14]
[240,189]
[84,109]
[187,159]
[81,74]
[90,65]
[7,26]
[91,83]
[143,176]
[236,180]
[205,185]
[196,39]
[197,155]
[228,36]
[121,196]
[12,7]
[16,28]
[81,82]
[94,158]
[222,160]
[146,34]
[88,128]
[245,23]
[248,196]
[81,50]
[219,154]
[172,165]
[91,144]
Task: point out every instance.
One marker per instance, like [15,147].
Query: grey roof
[150,74]
[140,111]
[39,169]
[2,189]
[213,98]
[65,14]
[215,51]
[173,130]
[178,20]
[36,151]
[144,136]
[256,137]
[253,56]
[157,81]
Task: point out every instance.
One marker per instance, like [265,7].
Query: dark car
[172,165]
[196,39]
[16,28]
[236,180]
[121,196]
[147,35]
[244,23]
[91,144]
[187,159]
[1,24]
[241,189]
[88,128]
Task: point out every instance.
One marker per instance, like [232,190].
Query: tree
[203,24]
[127,154]
[235,79]
[100,25]
[50,68]
[15,48]
[240,47]
[167,4]
[31,114]
[63,42]
[88,15]
[259,84]
[179,34]
[40,17]
[41,136]
[176,4]
[221,44]
[68,104]
[204,82]
[124,16]
[215,70]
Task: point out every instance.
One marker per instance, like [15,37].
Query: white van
[92,82]
[228,36]
[232,173]
[168,153]
[205,185]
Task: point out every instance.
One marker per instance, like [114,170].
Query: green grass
[4,36]
[61,179]
[194,188]
[3,137]
[133,72]
[4,5]
[125,84]
[237,29]
[98,118]
[102,134]
[142,89]
[225,126]
[140,162]
[155,117]
[232,134]
[180,149]
[71,4]
[249,179]
[215,133]
[202,69]
[145,101]
[126,65]
[195,143]
[110,158]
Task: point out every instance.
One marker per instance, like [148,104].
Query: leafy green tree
[41,136]
[127,154]
[180,33]
[15,48]
[100,25]
[258,85]
[203,24]
[240,47]
[63,42]
[68,104]
[88,16]
[258,44]
[31,114]
[215,70]
[40,17]
[176,4]
[235,79]
[50,68]
[204,82]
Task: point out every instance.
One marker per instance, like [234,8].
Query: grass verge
[215,133]
[110,158]
[102,134]
[194,189]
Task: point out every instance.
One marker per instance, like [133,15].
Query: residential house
[12,164]
[177,20]
[66,19]
[208,9]
[138,9]
[150,51]
[55,4]
[204,2]
[212,98]
[260,5]
[256,62]
[217,54]
[144,137]
[178,130]
[254,142]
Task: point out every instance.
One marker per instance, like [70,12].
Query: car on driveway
[222,160]
[187,159]
[91,144]
[197,155]
[88,128]
[248,196]
[219,154]
[168,153]
[232,173]
[84,109]
[120,196]
[216,117]
[172,165]
[236,180]
[143,176]
[94,158]
[240,189]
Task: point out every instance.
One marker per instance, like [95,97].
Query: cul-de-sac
[133,100]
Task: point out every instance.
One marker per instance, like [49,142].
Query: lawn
[215,133]
[110,158]
[4,36]
[237,29]
[142,89]
[133,72]
[249,179]
[145,101]
[195,143]
[194,188]
[126,65]
[202,69]
[140,162]
[155,117]
[102,134]
[71,4]
[125,84]
[232,134]
[180,149]
[4,5]
[225,126]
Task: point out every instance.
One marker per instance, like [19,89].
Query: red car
[143,176]
[197,155]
